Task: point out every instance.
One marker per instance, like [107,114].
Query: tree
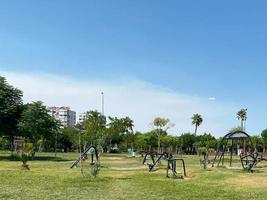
[94,127]
[170,142]
[197,121]
[161,125]
[141,140]
[242,116]
[187,140]
[11,106]
[236,129]
[68,138]
[151,139]
[264,137]
[36,124]
[207,141]
[257,142]
[128,131]
[119,129]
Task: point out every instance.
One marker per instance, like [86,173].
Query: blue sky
[198,48]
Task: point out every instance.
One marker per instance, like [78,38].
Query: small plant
[24,159]
[25,155]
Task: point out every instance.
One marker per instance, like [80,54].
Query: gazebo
[239,136]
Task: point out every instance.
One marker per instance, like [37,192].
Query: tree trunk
[196,130]
[12,143]
[56,145]
[34,149]
[158,143]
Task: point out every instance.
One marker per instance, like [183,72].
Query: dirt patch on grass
[120,161]
[249,181]
[113,158]
[127,168]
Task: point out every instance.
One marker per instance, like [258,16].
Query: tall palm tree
[197,120]
[242,116]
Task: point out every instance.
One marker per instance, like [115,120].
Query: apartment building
[82,117]
[64,114]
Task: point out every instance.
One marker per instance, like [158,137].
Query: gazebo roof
[237,135]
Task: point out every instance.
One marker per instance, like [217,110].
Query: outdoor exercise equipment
[132,152]
[92,166]
[251,160]
[239,136]
[205,161]
[153,159]
[172,166]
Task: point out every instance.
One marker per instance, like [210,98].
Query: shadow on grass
[36,158]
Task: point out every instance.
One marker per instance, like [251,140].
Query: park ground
[122,177]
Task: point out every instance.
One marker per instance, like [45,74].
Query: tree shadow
[36,158]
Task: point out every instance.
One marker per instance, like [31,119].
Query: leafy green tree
[197,121]
[264,137]
[257,142]
[170,142]
[4,143]
[94,127]
[68,138]
[207,141]
[11,106]
[36,124]
[187,140]
[141,140]
[176,142]
[161,125]
[152,138]
[242,116]
[120,129]
[128,131]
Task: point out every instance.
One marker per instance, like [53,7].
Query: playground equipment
[205,161]
[172,165]
[251,160]
[149,159]
[248,160]
[132,152]
[91,167]
[238,136]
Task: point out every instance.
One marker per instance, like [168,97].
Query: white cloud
[137,99]
[212,98]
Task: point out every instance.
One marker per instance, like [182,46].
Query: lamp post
[102,94]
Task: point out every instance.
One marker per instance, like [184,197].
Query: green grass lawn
[122,177]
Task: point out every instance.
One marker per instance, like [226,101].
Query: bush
[4,144]
[202,150]
[114,151]
[15,157]
[24,157]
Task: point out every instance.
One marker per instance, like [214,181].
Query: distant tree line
[32,123]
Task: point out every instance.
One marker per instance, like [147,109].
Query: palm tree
[196,120]
[242,116]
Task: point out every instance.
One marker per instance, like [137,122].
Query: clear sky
[199,49]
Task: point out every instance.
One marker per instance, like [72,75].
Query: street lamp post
[102,94]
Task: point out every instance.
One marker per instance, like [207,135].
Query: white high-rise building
[82,117]
[66,116]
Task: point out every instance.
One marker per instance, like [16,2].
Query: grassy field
[122,177]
